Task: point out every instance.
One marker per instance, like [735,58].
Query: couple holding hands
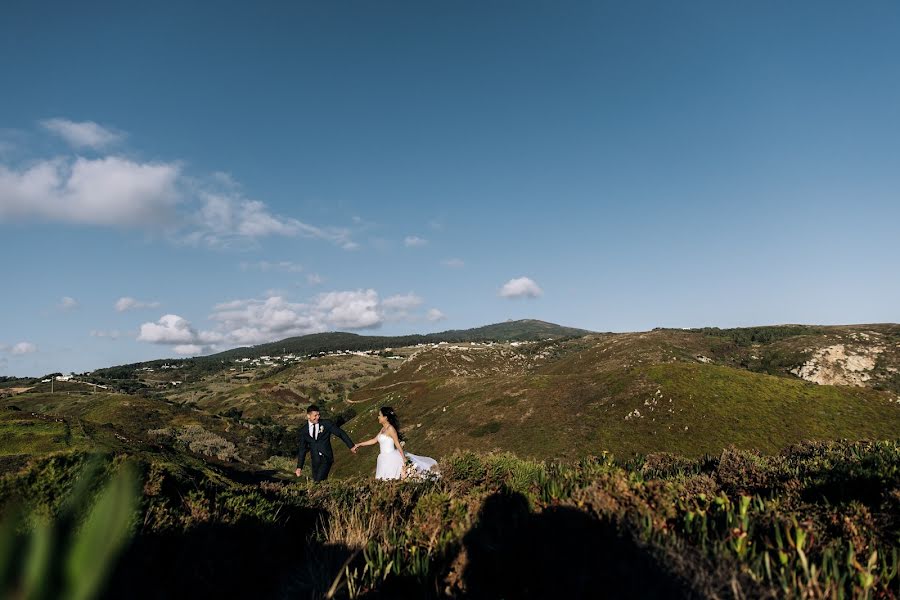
[392,462]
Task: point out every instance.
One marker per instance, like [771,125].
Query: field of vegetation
[727,481]
[820,520]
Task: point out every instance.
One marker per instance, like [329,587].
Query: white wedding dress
[390,463]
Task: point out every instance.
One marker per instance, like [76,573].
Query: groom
[315,438]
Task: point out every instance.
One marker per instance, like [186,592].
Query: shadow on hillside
[243,560]
[559,553]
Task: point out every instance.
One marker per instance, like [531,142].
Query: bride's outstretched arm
[371,442]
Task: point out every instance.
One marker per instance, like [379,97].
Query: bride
[392,461]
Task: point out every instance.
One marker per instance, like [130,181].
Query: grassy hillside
[44,422]
[283,393]
[686,392]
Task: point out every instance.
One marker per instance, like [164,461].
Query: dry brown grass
[354,528]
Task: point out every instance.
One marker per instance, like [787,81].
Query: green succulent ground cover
[821,520]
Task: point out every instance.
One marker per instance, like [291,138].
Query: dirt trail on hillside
[384,387]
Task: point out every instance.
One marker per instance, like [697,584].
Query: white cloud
[521,287]
[84,134]
[414,241]
[265,266]
[435,315]
[453,263]
[109,191]
[67,303]
[176,331]
[119,192]
[255,321]
[170,329]
[351,310]
[116,191]
[23,348]
[128,303]
[314,279]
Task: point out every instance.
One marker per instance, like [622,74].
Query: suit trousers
[320,469]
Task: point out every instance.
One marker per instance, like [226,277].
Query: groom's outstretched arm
[301,452]
[343,435]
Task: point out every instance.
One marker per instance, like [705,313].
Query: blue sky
[181,179]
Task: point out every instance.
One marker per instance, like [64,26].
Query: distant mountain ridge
[510,331]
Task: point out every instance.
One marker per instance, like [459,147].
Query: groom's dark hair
[312,408]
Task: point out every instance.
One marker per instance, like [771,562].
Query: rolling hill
[554,395]
[683,392]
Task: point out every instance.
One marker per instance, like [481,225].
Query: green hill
[684,392]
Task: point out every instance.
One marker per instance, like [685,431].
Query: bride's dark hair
[388,413]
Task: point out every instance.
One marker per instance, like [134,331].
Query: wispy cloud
[414,241]
[402,301]
[400,307]
[521,287]
[113,334]
[128,303]
[227,218]
[434,314]
[24,348]
[20,348]
[67,303]
[83,134]
[453,263]
[284,266]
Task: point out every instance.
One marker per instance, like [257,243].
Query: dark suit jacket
[320,449]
